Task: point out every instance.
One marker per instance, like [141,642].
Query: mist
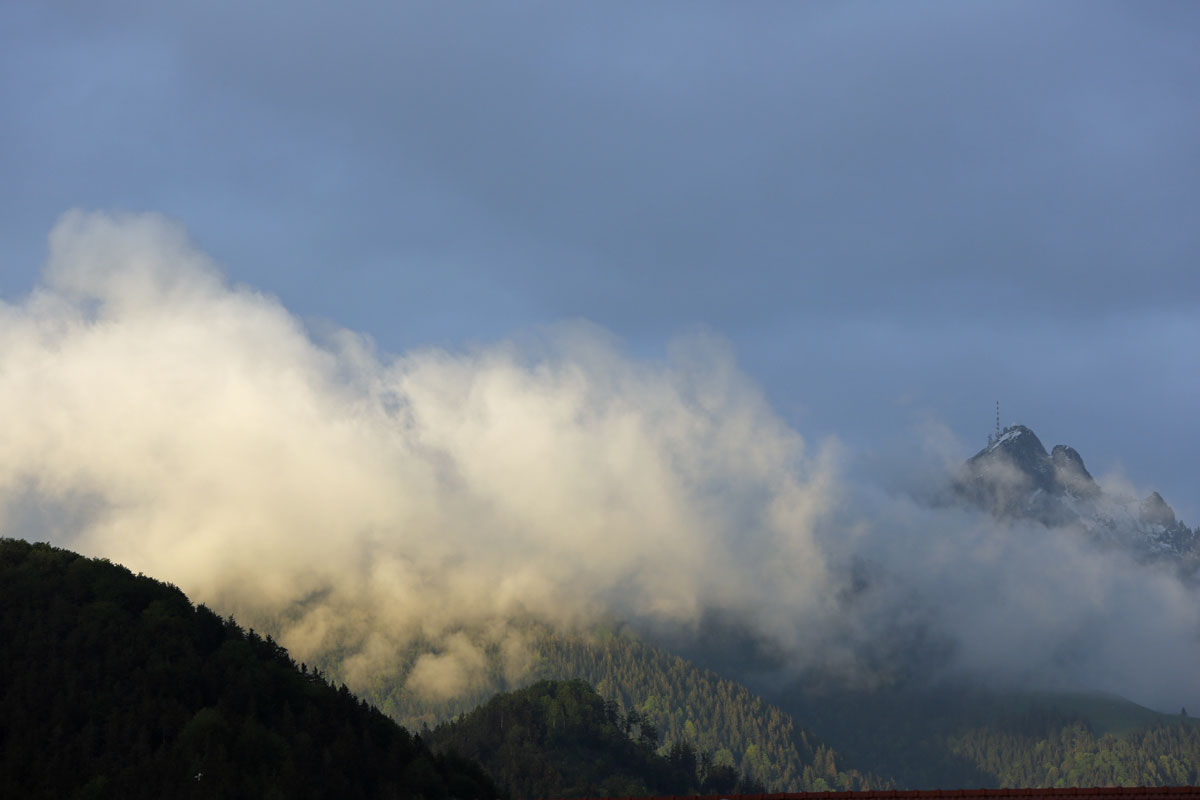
[287,470]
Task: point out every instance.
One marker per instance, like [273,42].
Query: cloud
[226,448]
[359,501]
[1014,602]
[461,665]
[971,206]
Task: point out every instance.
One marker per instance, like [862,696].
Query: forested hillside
[685,704]
[561,739]
[1165,754]
[116,686]
[955,737]
[689,704]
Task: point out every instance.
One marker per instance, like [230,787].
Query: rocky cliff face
[1014,477]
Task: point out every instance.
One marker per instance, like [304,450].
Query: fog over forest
[197,430]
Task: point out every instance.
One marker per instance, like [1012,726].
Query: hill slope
[690,704]
[685,704]
[116,686]
[954,737]
[561,739]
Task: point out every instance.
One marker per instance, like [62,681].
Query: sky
[845,225]
[894,214]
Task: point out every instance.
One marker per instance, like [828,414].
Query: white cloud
[197,431]
[232,453]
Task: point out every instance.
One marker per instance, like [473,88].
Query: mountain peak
[1016,448]
[1015,477]
[1014,435]
[1155,511]
[1068,457]
[1070,472]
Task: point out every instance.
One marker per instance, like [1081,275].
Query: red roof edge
[1073,792]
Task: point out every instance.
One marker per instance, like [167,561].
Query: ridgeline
[115,685]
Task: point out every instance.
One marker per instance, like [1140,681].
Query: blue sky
[895,213]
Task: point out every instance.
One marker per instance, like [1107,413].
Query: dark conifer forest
[958,737]
[561,739]
[115,685]
[687,705]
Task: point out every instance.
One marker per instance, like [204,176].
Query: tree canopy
[115,685]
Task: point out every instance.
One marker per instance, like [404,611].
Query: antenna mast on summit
[997,419]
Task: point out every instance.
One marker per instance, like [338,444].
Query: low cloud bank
[197,431]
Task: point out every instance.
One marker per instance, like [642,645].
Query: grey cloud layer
[198,431]
[884,209]
[1011,150]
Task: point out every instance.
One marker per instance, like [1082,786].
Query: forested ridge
[1166,754]
[955,737]
[561,739]
[689,704]
[115,685]
[684,703]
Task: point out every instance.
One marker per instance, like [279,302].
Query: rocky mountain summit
[1015,478]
